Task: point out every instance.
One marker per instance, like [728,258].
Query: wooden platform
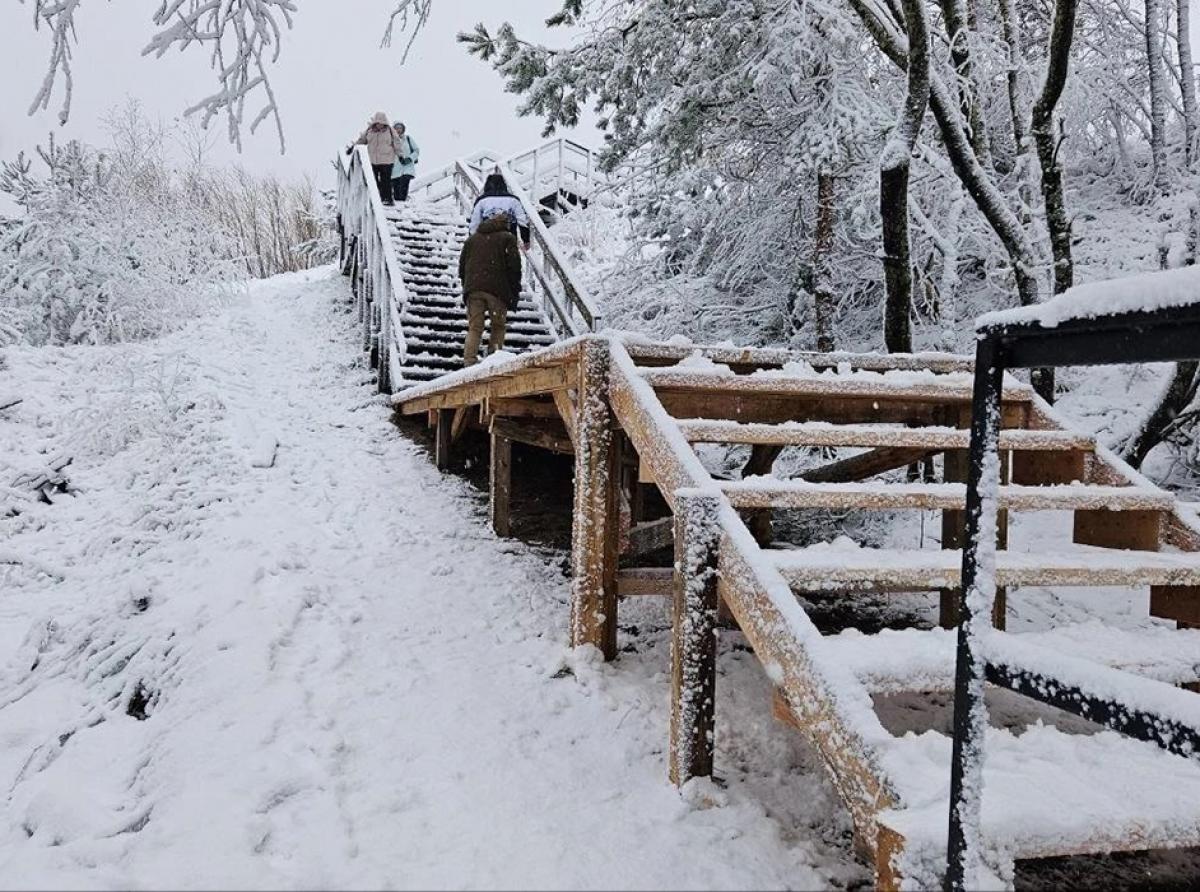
[634,415]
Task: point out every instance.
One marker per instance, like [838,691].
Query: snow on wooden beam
[838,567]
[648,353]
[823,434]
[872,496]
[902,386]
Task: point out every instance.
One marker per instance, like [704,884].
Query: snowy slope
[345,678]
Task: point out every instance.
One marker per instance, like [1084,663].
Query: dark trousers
[383,181]
[400,187]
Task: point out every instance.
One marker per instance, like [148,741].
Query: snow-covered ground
[219,670]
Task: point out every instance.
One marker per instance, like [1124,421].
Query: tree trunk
[824,300]
[1058,224]
[959,31]
[1016,108]
[978,183]
[1158,98]
[1187,79]
[1179,393]
[893,184]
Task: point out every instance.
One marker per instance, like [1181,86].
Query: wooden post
[595,533]
[501,484]
[441,448]
[694,643]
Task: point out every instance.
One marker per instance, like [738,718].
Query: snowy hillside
[325,667]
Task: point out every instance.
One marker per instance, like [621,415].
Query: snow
[1142,292]
[350,681]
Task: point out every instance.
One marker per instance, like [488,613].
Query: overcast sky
[331,76]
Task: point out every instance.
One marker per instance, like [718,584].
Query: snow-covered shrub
[104,251]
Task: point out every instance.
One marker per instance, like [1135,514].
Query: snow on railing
[377,280]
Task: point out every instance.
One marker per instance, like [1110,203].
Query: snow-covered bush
[104,251]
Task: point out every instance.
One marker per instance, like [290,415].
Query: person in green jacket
[408,153]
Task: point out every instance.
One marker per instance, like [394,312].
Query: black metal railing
[1078,687]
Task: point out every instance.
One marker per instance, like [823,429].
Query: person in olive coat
[490,269]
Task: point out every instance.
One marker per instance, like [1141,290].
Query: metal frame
[1145,336]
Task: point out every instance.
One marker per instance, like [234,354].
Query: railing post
[694,641]
[975,608]
[594,532]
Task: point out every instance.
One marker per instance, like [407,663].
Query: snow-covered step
[771,492]
[845,566]
[912,386]
[823,434]
[894,661]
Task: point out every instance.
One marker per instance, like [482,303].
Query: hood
[496,223]
[380,118]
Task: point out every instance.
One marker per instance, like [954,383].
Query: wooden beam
[646,581]
[500,484]
[549,436]
[522,408]
[565,406]
[694,642]
[441,449]
[651,536]
[596,523]
[1049,468]
[762,460]
[462,418]
[1136,530]
[1178,602]
[865,464]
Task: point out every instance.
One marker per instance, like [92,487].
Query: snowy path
[350,680]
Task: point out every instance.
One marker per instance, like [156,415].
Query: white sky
[331,77]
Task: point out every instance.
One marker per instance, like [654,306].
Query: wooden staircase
[428,239]
[638,415]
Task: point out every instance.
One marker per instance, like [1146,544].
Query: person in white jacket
[496,199]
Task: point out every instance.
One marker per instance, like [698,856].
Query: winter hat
[379,118]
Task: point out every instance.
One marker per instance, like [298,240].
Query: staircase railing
[565,301]
[369,258]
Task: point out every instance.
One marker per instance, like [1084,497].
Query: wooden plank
[596,521]
[694,641]
[897,496]
[549,436]
[820,434]
[784,408]
[749,359]
[441,449]
[637,582]
[824,387]
[884,570]
[522,408]
[1049,468]
[1137,530]
[1180,603]
[500,488]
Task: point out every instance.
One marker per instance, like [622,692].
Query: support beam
[462,418]
[543,435]
[441,448]
[694,643]
[865,464]
[595,533]
[762,460]
[500,484]
[651,536]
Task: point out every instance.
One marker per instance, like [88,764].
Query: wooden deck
[633,413]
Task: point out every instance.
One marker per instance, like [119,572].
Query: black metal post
[970,715]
